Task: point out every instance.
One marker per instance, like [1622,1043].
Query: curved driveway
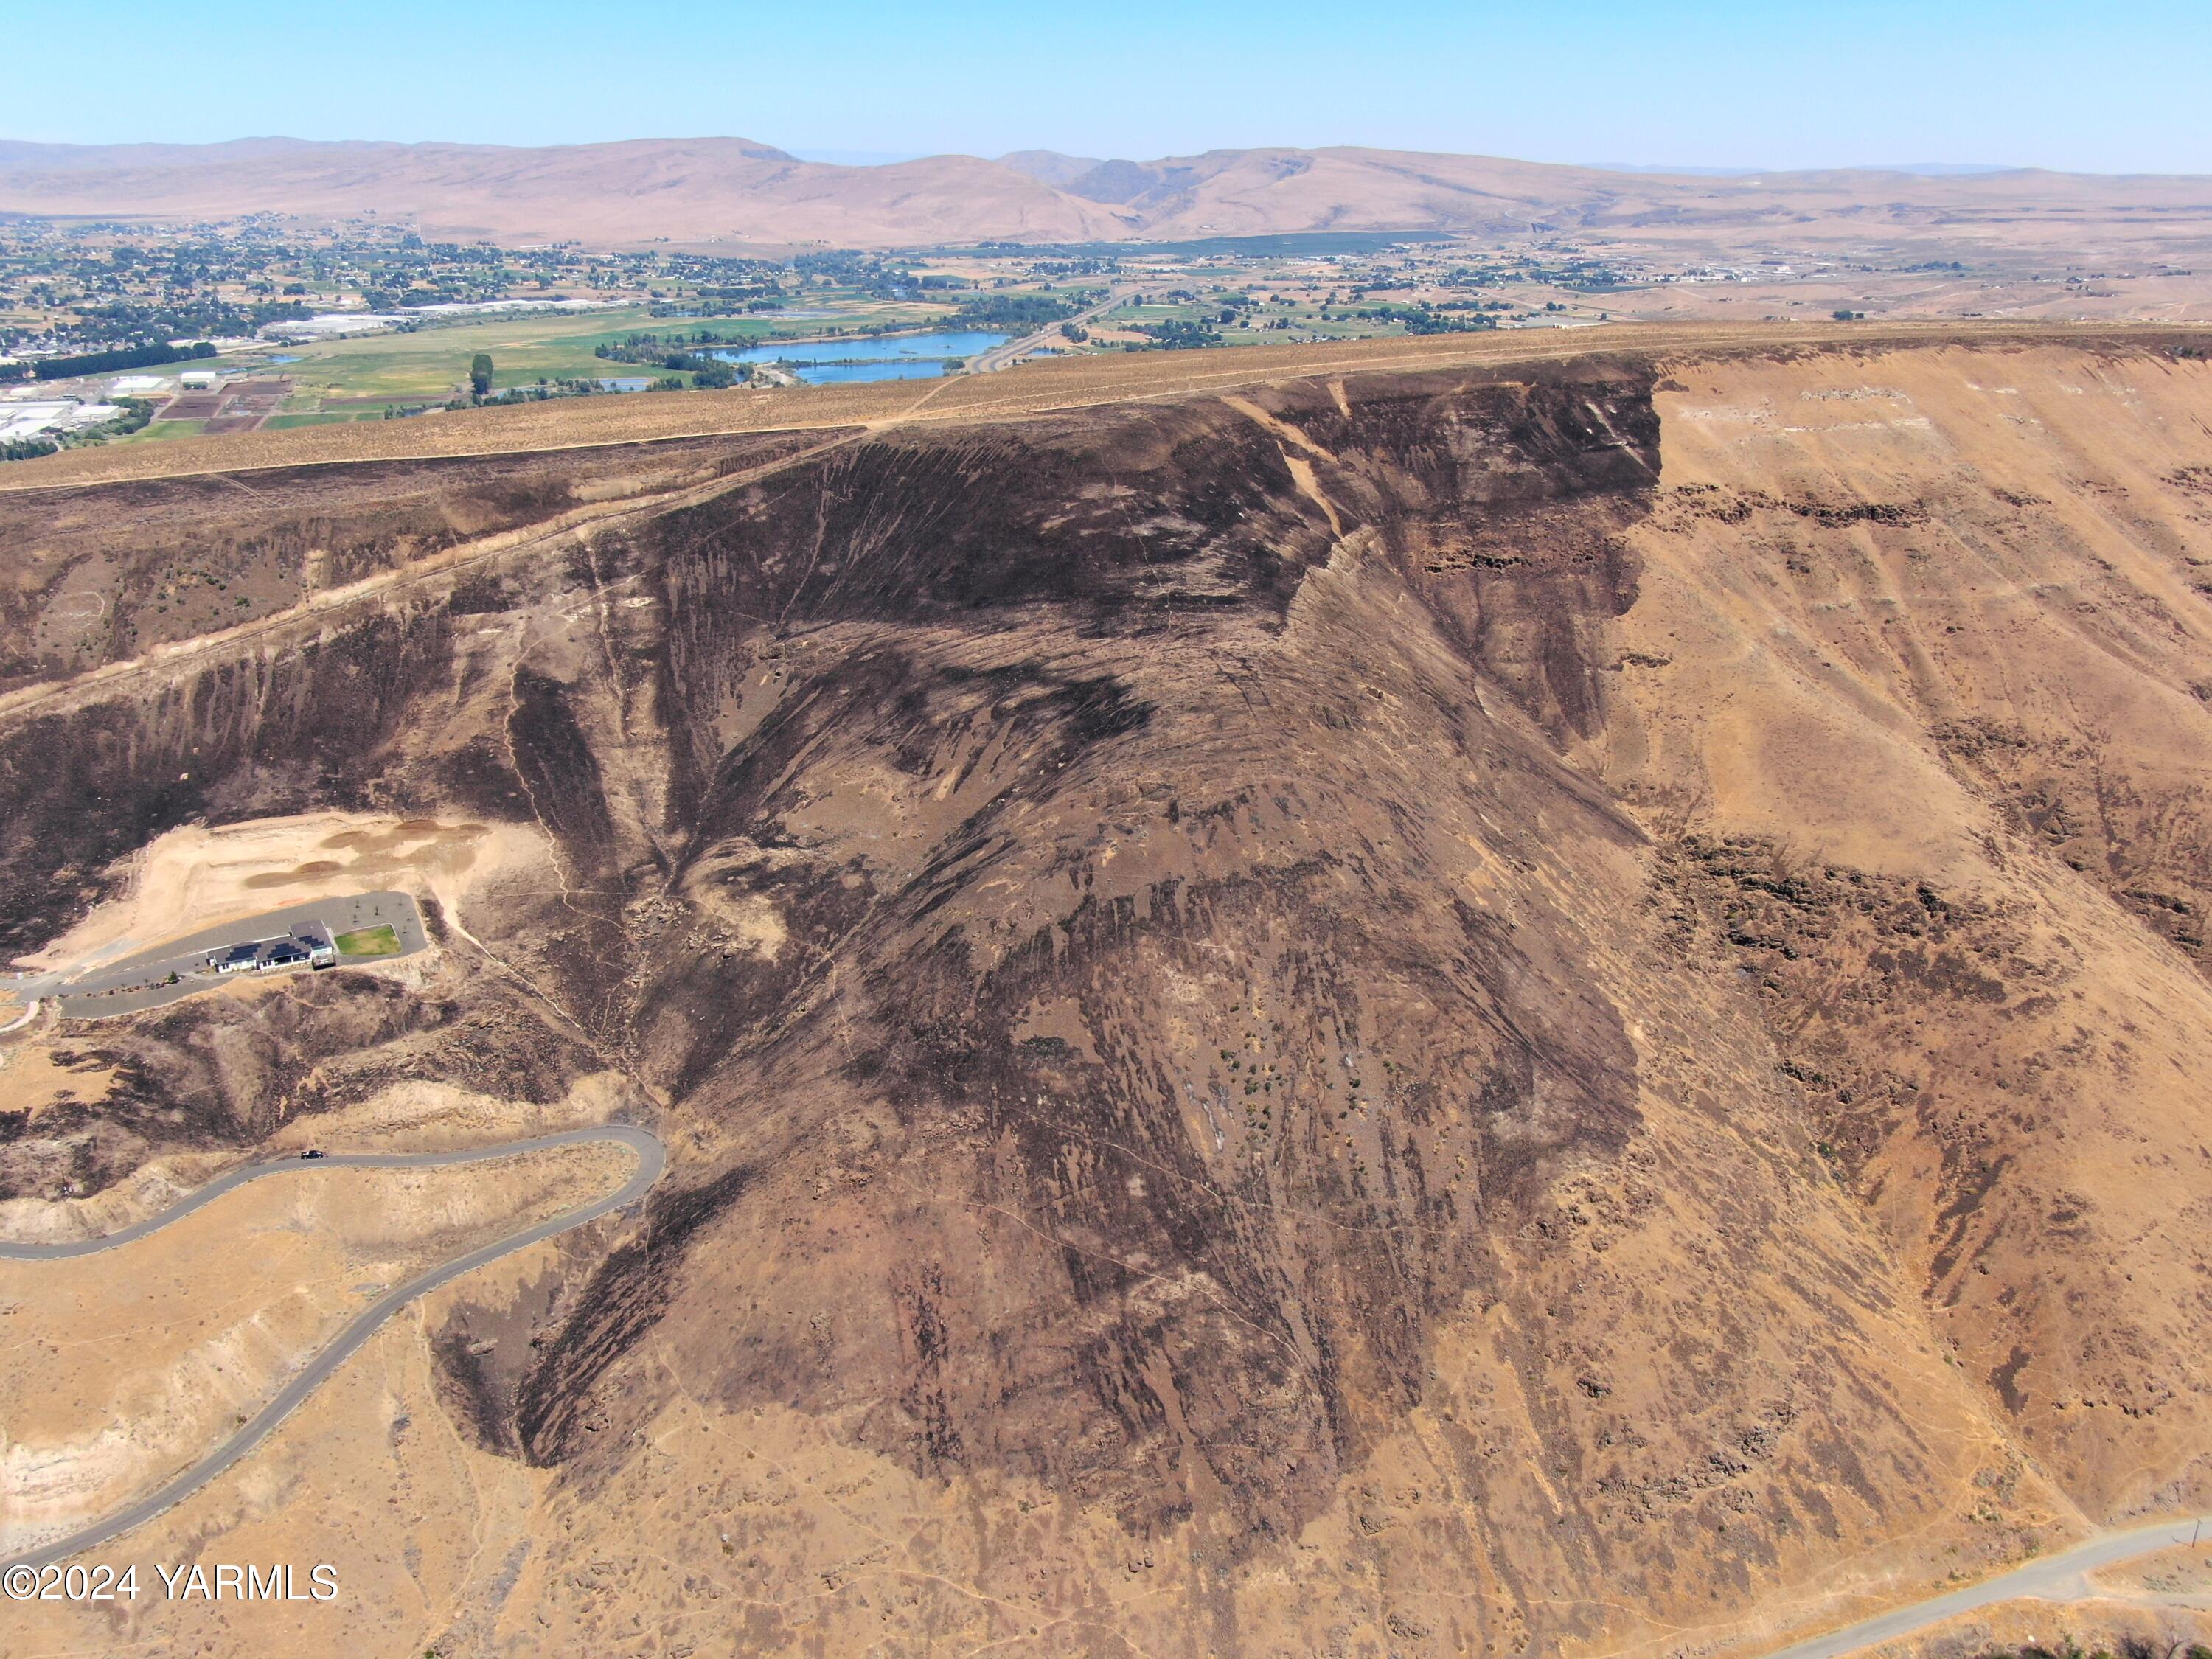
[651,1159]
[2057,1578]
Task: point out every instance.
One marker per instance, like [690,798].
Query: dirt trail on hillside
[1394,1007]
[1040,389]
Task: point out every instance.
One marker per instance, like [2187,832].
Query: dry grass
[1040,389]
[115,1390]
[1792,670]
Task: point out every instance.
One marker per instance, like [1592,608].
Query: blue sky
[2096,87]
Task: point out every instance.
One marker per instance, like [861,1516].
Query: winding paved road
[2059,1578]
[651,1159]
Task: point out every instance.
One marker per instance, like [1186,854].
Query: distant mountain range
[735,193]
[1924,169]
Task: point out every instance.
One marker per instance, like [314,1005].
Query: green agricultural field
[377,941]
[328,418]
[429,364]
[1127,316]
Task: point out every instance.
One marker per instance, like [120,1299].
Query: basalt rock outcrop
[1425,1013]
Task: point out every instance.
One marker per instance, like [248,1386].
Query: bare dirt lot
[195,877]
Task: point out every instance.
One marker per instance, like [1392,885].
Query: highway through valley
[651,1159]
[1003,357]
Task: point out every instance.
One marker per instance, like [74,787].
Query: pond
[888,357]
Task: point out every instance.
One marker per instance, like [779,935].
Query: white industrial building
[38,419]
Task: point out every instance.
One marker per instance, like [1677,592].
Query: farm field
[320,417]
[1176,299]
[369,377]
[1072,383]
[156,432]
[427,365]
[1301,320]
[432,361]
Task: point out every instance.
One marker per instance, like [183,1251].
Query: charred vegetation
[1192,947]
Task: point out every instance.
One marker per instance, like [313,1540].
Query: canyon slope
[734,194]
[1548,1004]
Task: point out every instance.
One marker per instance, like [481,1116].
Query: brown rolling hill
[701,190]
[1550,1003]
[733,191]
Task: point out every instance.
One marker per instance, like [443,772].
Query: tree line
[102,362]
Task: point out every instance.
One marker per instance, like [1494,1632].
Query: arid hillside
[732,192]
[694,190]
[1550,1007]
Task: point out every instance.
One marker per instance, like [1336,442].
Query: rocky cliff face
[1426,1014]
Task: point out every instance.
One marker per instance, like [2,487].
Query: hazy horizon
[835,157]
[1780,87]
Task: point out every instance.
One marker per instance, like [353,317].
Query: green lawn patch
[377,941]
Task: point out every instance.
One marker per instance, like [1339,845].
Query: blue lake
[892,357]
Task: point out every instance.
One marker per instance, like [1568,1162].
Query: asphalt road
[651,1159]
[2054,1579]
[999,356]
